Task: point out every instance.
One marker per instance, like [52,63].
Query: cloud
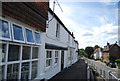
[91,26]
[88,0]
[88,33]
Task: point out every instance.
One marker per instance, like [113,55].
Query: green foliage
[82,51]
[96,46]
[89,50]
[111,58]
[117,60]
[118,64]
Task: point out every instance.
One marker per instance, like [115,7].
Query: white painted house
[97,54]
[61,49]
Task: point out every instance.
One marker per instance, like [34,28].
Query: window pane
[26,52]
[4,29]
[2,52]
[29,35]
[13,71]
[56,53]
[56,60]
[18,34]
[35,52]
[49,54]
[13,53]
[25,71]
[34,70]
[2,70]
[37,38]
[48,62]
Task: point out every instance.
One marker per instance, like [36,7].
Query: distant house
[111,50]
[97,54]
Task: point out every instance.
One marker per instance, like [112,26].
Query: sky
[93,23]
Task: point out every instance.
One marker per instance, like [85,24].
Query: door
[62,60]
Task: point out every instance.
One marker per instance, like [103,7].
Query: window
[48,58]
[58,30]
[13,71]
[37,38]
[25,71]
[29,36]
[34,69]
[56,56]
[13,53]
[17,33]
[35,52]
[3,52]
[26,52]
[4,30]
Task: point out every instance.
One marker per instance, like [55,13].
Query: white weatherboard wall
[62,41]
[41,53]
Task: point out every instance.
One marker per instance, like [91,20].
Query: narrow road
[77,71]
[102,66]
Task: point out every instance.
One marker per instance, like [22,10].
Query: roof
[111,46]
[76,41]
[61,22]
[97,49]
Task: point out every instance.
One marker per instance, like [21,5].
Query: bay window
[18,60]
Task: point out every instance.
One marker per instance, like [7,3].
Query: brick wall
[34,14]
[105,56]
[115,51]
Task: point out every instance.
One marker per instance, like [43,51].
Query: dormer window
[58,30]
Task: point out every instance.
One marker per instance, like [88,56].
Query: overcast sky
[93,23]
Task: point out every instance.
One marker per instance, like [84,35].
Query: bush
[118,64]
[111,58]
[117,60]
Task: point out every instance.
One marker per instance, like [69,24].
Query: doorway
[62,60]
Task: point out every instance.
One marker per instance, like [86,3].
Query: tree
[89,50]
[82,52]
[96,46]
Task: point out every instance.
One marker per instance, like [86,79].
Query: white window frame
[47,67]
[2,38]
[23,32]
[19,61]
[35,37]
[26,35]
[56,57]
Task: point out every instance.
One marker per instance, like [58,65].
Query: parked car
[112,65]
[107,63]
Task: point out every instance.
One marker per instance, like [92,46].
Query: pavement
[77,71]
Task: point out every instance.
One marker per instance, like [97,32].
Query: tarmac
[77,71]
